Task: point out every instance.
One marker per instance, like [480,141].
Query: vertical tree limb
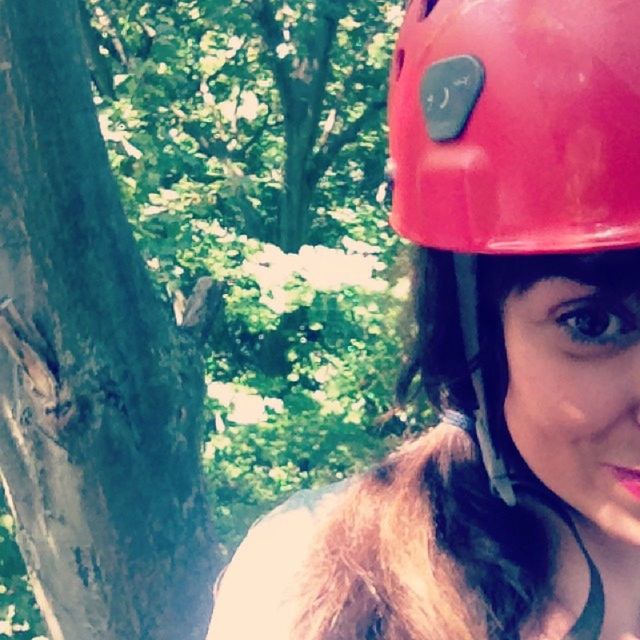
[100,396]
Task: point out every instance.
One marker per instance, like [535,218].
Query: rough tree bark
[100,394]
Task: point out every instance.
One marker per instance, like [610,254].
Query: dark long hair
[419,548]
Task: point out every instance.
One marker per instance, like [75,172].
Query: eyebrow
[603,297]
[572,302]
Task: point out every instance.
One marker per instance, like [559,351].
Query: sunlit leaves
[302,367]
[19,616]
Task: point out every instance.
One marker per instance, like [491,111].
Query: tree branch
[326,156]
[216,147]
[98,64]
[116,45]
[255,136]
[202,309]
[272,37]
[328,128]
[327,17]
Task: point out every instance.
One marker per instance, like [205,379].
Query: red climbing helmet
[515,125]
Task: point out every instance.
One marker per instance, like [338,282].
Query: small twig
[106,23]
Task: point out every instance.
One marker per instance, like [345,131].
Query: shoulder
[254,598]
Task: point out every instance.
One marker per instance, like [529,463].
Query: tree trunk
[100,396]
[302,87]
[295,201]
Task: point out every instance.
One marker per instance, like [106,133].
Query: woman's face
[573,401]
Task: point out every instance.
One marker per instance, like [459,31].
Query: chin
[629,534]
[619,525]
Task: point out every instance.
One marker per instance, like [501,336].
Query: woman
[514,131]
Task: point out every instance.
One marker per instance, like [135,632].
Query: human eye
[595,324]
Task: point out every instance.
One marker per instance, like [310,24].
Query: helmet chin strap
[465,269]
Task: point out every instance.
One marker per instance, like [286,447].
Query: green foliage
[314,423]
[302,363]
[19,615]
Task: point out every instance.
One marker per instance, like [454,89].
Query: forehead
[549,290]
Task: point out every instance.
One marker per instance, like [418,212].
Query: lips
[624,473]
[629,479]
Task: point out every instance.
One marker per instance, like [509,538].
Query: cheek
[536,391]
[548,426]
[540,399]
[552,397]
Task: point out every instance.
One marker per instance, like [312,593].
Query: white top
[254,597]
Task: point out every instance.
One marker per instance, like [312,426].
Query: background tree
[248,142]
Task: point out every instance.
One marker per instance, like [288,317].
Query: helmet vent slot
[398,64]
[427,7]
